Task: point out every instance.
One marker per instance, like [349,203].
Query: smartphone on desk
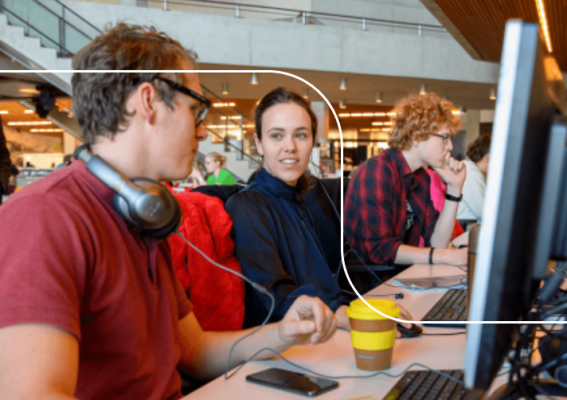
[294,382]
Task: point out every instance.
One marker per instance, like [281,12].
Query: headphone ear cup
[152,209]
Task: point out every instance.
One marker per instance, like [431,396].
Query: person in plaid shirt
[388,207]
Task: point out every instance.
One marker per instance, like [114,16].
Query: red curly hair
[418,117]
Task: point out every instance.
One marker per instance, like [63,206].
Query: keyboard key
[428,385]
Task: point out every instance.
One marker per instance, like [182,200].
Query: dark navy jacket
[277,244]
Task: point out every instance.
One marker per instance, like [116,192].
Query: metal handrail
[227,143]
[239,8]
[78,16]
[4,9]
[61,45]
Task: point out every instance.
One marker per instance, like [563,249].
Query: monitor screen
[512,251]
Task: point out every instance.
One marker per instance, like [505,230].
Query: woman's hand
[308,320]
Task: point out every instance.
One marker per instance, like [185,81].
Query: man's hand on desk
[344,322]
[308,320]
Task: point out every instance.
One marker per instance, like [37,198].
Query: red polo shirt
[68,260]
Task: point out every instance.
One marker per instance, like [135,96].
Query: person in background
[327,173]
[5,164]
[275,235]
[197,175]
[388,207]
[478,153]
[12,184]
[214,164]
[109,319]
[438,192]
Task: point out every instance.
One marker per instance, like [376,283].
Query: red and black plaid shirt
[376,208]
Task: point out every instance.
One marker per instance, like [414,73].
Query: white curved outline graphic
[272,71]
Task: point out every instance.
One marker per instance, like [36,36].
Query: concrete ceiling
[361,89]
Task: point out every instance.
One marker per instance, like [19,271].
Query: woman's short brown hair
[418,117]
[99,100]
[479,148]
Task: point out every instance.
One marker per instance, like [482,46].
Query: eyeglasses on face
[204,104]
[444,137]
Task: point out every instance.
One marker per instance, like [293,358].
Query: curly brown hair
[99,100]
[420,116]
[479,148]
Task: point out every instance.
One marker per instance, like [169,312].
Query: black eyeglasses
[204,103]
[444,137]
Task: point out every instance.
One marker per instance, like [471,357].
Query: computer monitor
[525,178]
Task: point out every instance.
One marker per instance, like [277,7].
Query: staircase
[49,46]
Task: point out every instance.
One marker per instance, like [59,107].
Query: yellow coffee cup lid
[359,310]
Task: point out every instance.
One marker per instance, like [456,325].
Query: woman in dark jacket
[275,235]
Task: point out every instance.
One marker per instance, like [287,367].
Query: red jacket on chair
[217,295]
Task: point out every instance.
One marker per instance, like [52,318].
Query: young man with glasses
[388,207]
[89,308]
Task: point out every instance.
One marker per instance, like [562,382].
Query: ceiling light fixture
[543,24]
[342,103]
[254,78]
[219,105]
[29,91]
[422,89]
[305,93]
[342,85]
[378,97]
[28,112]
[344,115]
[224,88]
[3,112]
[492,94]
[47,130]
[232,117]
[20,123]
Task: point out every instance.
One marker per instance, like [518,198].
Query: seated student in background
[475,182]
[89,307]
[438,192]
[214,164]
[388,206]
[275,234]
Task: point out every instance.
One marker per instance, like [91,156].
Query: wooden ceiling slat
[482,22]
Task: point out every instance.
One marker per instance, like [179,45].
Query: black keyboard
[428,385]
[451,307]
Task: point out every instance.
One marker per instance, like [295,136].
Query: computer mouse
[414,331]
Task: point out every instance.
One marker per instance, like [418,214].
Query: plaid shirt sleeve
[369,226]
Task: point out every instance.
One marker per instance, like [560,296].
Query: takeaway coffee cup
[373,335]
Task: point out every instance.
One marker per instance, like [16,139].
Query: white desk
[336,357]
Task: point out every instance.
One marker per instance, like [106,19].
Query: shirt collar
[401,163]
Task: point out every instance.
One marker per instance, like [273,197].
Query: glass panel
[27,12]
[74,40]
[44,40]
[80,24]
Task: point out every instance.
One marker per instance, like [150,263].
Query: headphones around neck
[144,204]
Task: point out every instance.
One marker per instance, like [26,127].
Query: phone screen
[292,381]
